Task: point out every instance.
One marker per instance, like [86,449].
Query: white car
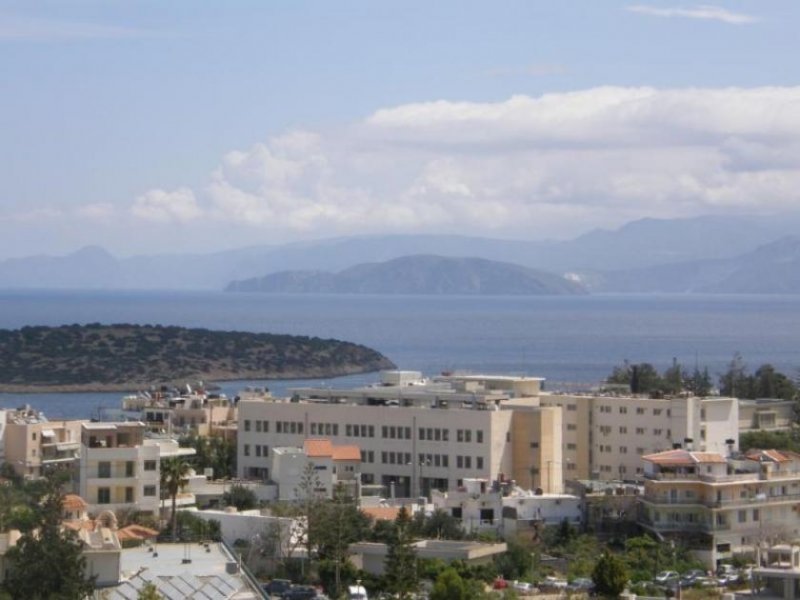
[667,577]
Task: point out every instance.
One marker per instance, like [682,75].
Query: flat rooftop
[182,571]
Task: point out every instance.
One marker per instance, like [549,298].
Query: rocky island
[95,357]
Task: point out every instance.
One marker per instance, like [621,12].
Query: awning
[48,433]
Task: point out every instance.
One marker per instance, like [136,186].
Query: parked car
[688,579]
[667,577]
[300,592]
[581,584]
[523,586]
[277,587]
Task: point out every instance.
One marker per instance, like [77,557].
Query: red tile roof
[681,458]
[381,513]
[767,455]
[318,448]
[74,503]
[346,453]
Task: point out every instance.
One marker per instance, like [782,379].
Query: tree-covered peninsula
[99,357]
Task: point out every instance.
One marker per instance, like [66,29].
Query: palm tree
[174,477]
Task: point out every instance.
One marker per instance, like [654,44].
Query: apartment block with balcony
[118,470]
[766,414]
[721,506]
[333,465]
[414,435]
[33,443]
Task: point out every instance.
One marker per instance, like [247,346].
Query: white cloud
[704,12]
[161,206]
[99,211]
[555,164]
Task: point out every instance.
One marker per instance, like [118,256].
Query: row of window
[465,462]
[621,469]
[623,429]
[104,469]
[104,494]
[391,432]
[623,410]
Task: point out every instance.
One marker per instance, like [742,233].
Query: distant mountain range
[770,269]
[420,274]
[647,255]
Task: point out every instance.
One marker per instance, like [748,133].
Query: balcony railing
[723,503]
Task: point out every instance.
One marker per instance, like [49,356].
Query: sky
[184,126]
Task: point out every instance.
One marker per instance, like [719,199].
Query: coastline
[211,378]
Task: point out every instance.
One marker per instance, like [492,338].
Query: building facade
[33,444]
[719,505]
[415,437]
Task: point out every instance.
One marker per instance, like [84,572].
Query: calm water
[563,339]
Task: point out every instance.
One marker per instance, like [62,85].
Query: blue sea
[567,340]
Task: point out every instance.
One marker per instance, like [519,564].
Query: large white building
[415,436]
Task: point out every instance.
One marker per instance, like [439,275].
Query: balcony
[685,526]
[760,499]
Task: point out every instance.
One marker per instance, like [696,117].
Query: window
[755,514]
[149,490]
[623,449]
[742,516]
[623,410]
[572,407]
[247,424]
[467,435]
[534,444]
[104,469]
[421,433]
[639,410]
[258,426]
[150,465]
[247,449]
[479,462]
[571,427]
[640,431]
[623,430]
[460,435]
[467,462]
[445,435]
[128,495]
[656,412]
[129,467]
[572,446]
[265,427]
[657,432]
[445,461]
[104,496]
[459,461]
[258,450]
[479,436]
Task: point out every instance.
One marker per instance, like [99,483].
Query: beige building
[721,506]
[117,470]
[32,443]
[194,412]
[766,414]
[605,437]
[415,435]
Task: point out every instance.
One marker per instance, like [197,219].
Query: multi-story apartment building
[415,436]
[193,412]
[720,506]
[32,443]
[117,469]
[605,437]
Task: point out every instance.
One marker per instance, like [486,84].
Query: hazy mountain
[421,274]
[770,269]
[638,245]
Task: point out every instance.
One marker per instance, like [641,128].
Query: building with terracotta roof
[720,505]
[332,465]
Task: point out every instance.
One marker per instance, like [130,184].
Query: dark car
[277,587]
[300,592]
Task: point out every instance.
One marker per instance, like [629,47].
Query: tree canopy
[47,562]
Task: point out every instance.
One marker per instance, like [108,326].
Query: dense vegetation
[130,356]
[764,382]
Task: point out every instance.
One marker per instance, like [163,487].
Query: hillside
[425,275]
[126,357]
[770,269]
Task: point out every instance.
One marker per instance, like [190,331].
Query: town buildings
[120,469]
[415,436]
[32,443]
[721,505]
[316,468]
